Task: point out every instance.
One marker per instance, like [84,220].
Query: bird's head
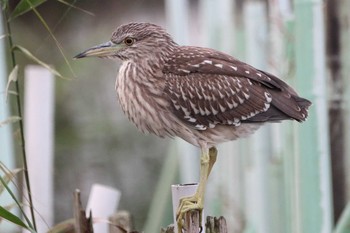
[133,41]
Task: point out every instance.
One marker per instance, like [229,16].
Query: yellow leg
[196,202]
[213,152]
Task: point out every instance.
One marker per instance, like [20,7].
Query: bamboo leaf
[17,203]
[11,92]
[24,6]
[55,39]
[12,218]
[12,78]
[75,7]
[37,60]
[8,208]
[9,175]
[3,36]
[10,120]
[33,7]
[4,4]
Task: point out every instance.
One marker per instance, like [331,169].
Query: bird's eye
[129,41]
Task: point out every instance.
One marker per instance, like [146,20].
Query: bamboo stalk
[20,122]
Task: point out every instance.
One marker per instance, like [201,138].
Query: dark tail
[286,104]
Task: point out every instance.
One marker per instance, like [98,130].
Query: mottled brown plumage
[201,95]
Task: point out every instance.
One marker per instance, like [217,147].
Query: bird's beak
[102,50]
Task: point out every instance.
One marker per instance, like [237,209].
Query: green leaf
[24,6]
[12,218]
[8,208]
[37,60]
[17,203]
[4,4]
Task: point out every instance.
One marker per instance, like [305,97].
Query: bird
[204,96]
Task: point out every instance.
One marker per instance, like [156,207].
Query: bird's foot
[196,202]
[188,204]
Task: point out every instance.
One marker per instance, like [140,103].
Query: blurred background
[288,177]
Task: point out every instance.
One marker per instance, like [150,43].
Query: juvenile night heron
[199,94]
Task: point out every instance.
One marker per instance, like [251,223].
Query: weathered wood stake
[192,224]
[82,223]
[212,225]
[121,222]
[216,225]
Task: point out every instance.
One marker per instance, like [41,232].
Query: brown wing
[207,87]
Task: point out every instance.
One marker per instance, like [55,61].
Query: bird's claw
[188,204]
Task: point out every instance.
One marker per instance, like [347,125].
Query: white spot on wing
[194,108]
[239,84]
[222,108]
[241,101]
[207,112]
[258,74]
[267,106]
[190,119]
[207,62]
[198,94]
[201,111]
[219,65]
[230,105]
[185,111]
[234,67]
[246,95]
[213,110]
[234,104]
[268,97]
[201,127]
[186,71]
[247,71]
[177,107]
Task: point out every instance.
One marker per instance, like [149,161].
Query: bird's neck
[144,74]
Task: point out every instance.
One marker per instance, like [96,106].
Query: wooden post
[192,222]
[121,222]
[212,225]
[180,191]
[216,225]
[103,201]
[82,223]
